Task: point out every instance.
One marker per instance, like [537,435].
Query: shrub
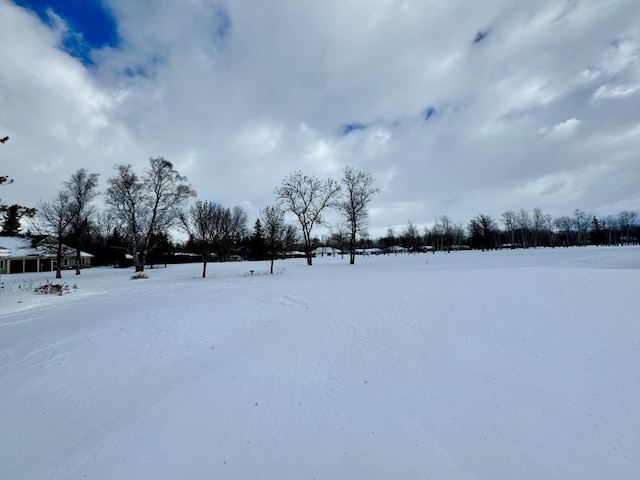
[51,289]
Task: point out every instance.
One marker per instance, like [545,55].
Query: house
[369,251]
[25,256]
[396,249]
[328,251]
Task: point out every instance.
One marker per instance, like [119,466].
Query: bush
[51,289]
[139,276]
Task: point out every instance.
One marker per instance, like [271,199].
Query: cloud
[563,129]
[239,94]
[619,91]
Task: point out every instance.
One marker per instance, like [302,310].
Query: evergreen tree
[13,214]
[597,236]
[257,242]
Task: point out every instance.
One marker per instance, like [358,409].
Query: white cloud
[562,130]
[239,111]
[619,91]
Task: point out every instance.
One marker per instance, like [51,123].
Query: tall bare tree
[537,225]
[358,191]
[199,223]
[54,219]
[563,225]
[275,230]
[483,231]
[626,219]
[82,191]
[148,206]
[307,197]
[581,224]
[524,226]
[445,230]
[230,226]
[410,236]
[510,220]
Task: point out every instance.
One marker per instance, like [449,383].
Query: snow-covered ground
[496,365]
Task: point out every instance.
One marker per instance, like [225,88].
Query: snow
[518,364]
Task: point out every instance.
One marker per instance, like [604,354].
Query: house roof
[17,246]
[22,247]
[326,250]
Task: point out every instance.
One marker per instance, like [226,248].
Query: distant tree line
[521,229]
[144,207]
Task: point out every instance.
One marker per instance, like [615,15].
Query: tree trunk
[204,267]
[58,260]
[352,249]
[138,262]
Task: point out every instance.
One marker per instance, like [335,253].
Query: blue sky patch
[224,24]
[429,112]
[480,36]
[347,128]
[91,26]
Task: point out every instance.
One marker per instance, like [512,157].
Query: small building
[25,256]
[369,251]
[328,251]
[396,249]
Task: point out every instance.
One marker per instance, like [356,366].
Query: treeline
[143,208]
[521,229]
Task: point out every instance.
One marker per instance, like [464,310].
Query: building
[26,255]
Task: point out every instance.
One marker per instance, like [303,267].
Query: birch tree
[147,206]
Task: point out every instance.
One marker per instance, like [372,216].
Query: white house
[23,256]
[328,251]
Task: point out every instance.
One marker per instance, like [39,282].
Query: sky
[455,107]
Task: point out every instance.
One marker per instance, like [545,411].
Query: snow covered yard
[471,365]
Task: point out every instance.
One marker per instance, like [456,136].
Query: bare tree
[358,193]
[54,219]
[340,238]
[510,220]
[147,207]
[230,226]
[410,236]
[609,223]
[483,231]
[275,230]
[82,190]
[537,225]
[199,223]
[524,226]
[445,231]
[581,224]
[168,192]
[307,198]
[550,229]
[127,197]
[563,226]
[626,219]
